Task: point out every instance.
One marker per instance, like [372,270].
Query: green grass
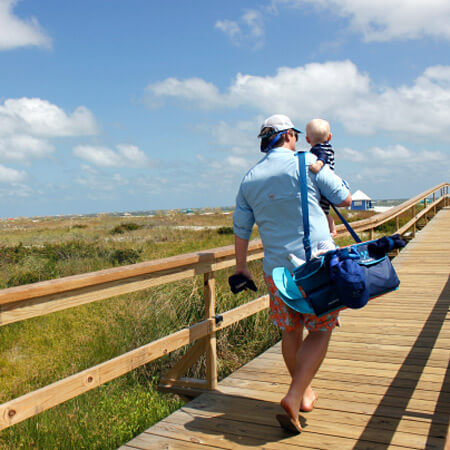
[45,349]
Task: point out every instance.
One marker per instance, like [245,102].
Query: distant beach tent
[361,201]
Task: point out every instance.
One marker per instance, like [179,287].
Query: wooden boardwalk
[384,384]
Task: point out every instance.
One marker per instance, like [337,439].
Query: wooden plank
[241,312]
[147,441]
[344,370]
[39,306]
[209,284]
[185,363]
[198,262]
[264,382]
[362,379]
[185,382]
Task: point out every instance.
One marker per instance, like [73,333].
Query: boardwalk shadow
[418,356]
[245,421]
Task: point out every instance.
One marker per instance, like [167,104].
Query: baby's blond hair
[318,131]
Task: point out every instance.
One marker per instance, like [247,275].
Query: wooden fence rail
[23,302]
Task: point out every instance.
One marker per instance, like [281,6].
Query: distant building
[361,201]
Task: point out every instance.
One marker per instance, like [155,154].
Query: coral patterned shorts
[287,319]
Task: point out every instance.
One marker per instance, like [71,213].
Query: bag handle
[305,210]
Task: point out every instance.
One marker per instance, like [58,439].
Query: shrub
[14,254]
[125,256]
[225,230]
[78,225]
[20,278]
[126,226]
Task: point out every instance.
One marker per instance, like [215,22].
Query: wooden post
[396,223]
[371,234]
[414,215]
[210,312]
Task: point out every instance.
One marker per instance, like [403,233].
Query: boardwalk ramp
[384,384]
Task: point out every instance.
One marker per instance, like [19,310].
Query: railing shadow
[440,417]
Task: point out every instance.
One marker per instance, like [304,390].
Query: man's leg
[308,359]
[290,344]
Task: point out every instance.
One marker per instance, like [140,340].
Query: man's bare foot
[309,399]
[287,424]
[291,407]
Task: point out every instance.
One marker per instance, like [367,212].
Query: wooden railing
[24,302]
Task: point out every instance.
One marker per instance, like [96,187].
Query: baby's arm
[315,167]
[322,159]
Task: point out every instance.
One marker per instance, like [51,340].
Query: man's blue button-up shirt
[270,196]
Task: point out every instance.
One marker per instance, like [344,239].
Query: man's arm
[333,188]
[240,248]
[347,201]
[243,220]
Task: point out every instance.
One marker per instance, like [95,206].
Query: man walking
[269,196]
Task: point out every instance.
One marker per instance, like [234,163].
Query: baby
[318,136]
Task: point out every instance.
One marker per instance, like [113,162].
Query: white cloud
[384,20]
[41,118]
[192,90]
[125,156]
[15,32]
[248,30]
[386,156]
[408,157]
[237,161]
[27,124]
[315,85]
[335,90]
[230,28]
[394,166]
[11,176]
[22,148]
[351,155]
[239,139]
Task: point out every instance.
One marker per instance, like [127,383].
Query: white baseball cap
[278,122]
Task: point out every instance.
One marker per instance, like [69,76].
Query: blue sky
[122,106]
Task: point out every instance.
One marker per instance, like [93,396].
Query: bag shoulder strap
[347,225]
[305,210]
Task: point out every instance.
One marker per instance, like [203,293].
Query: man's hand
[241,279]
[238,282]
[244,272]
